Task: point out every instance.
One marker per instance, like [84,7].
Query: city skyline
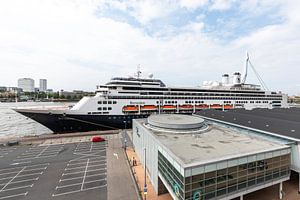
[77,45]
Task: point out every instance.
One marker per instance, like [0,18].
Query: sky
[78,44]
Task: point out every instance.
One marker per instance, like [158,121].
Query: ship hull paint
[61,123]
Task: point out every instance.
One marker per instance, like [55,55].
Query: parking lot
[44,151]
[5,151]
[60,171]
[85,172]
[16,182]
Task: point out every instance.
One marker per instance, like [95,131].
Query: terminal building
[279,124]
[196,159]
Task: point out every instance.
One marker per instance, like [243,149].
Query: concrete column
[280,190]
[241,197]
[299,183]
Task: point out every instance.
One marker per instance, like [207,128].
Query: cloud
[193,4]
[221,4]
[75,45]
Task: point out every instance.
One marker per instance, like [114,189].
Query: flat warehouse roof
[214,144]
[282,121]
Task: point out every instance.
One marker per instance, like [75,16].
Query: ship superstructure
[122,99]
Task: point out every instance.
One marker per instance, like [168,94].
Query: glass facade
[171,175]
[226,181]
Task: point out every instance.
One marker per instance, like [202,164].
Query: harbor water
[14,124]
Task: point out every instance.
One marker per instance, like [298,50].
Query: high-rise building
[43,85]
[27,84]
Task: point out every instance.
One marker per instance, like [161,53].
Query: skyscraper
[43,85]
[26,84]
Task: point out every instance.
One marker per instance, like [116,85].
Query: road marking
[87,176]
[15,195]
[68,169]
[66,174]
[64,186]
[19,163]
[116,155]
[87,165]
[91,161]
[26,180]
[12,179]
[16,188]
[76,191]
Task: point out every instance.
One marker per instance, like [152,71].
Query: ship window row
[191,90]
[194,101]
[201,94]
[96,113]
[168,102]
[186,97]
[104,108]
[107,102]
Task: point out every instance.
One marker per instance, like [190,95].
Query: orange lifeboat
[228,106]
[169,107]
[130,108]
[148,107]
[202,106]
[216,106]
[186,107]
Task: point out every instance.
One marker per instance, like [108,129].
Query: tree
[56,95]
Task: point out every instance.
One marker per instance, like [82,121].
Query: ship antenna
[138,73]
[257,75]
[245,70]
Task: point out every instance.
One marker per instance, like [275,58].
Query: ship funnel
[236,78]
[225,79]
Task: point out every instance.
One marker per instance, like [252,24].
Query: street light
[145,183]
[125,140]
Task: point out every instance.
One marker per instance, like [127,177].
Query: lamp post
[125,140]
[145,183]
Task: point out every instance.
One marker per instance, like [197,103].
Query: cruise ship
[122,99]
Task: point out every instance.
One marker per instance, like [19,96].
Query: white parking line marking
[91,161]
[87,165]
[12,179]
[68,169]
[19,163]
[40,173]
[15,183]
[15,188]
[15,195]
[26,180]
[59,194]
[40,152]
[87,176]
[65,174]
[64,186]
